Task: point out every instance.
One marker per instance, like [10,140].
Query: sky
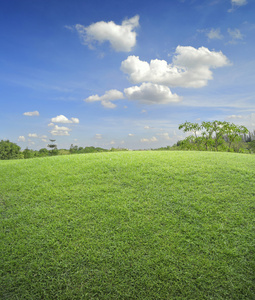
[123,74]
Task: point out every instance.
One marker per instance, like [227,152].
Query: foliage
[216,135]
[53,147]
[9,150]
[74,149]
[128,225]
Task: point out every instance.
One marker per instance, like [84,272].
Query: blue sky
[123,73]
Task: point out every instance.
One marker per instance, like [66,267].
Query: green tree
[53,147]
[216,134]
[9,150]
[43,152]
[234,133]
[28,153]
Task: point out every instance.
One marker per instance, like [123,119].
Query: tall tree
[53,147]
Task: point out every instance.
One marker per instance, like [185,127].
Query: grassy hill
[128,225]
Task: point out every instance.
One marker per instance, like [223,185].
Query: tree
[234,133]
[9,150]
[53,147]
[43,152]
[188,126]
[214,134]
[207,132]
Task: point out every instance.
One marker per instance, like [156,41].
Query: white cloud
[31,113]
[50,124]
[130,134]
[238,2]
[108,104]
[63,119]
[43,137]
[215,34]
[44,140]
[106,99]
[147,127]
[153,139]
[235,117]
[21,138]
[235,34]
[75,120]
[60,130]
[98,136]
[190,68]
[164,135]
[151,93]
[121,37]
[33,135]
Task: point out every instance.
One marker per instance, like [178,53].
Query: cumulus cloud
[21,138]
[75,120]
[130,134]
[151,93]
[121,37]
[33,135]
[190,67]
[31,113]
[153,139]
[106,99]
[214,34]
[63,119]
[60,130]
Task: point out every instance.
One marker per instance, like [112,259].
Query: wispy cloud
[235,34]
[236,4]
[145,140]
[215,34]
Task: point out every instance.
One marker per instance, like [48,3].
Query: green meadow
[128,225]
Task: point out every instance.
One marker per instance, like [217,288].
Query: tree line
[207,136]
[9,150]
[215,136]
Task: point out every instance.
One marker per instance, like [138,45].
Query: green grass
[128,225]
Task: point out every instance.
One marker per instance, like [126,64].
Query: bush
[9,150]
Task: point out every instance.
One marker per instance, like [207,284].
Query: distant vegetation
[209,136]
[215,136]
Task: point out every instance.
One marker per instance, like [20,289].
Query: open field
[128,225]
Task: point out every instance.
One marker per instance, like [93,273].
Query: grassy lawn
[128,225]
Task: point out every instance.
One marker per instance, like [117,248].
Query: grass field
[128,225]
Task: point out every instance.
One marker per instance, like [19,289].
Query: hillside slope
[128,225]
